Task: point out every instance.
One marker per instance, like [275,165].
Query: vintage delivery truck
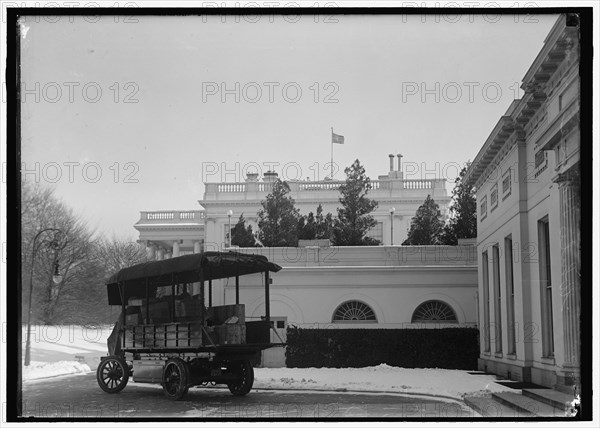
[166,334]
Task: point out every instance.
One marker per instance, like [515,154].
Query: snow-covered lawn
[68,339]
[64,349]
[383,378]
[39,370]
[67,350]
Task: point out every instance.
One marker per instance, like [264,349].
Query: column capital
[175,248]
[571,176]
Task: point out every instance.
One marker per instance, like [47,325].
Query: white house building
[387,286]
[171,233]
[528,232]
[398,200]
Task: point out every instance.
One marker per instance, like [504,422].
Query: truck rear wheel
[175,379]
[245,374]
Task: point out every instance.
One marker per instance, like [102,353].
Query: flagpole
[331,153]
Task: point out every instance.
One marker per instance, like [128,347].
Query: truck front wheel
[112,374]
[245,377]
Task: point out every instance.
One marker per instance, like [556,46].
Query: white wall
[392,281]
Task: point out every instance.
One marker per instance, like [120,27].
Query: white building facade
[528,232]
[365,287]
[386,286]
[171,233]
[398,200]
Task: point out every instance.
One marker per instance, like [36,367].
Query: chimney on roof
[391,162]
[399,162]
[270,176]
[252,176]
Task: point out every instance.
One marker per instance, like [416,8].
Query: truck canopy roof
[184,269]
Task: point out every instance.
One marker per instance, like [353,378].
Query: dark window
[354,311]
[483,207]
[560,102]
[434,311]
[486,300]
[510,295]
[506,184]
[494,196]
[540,157]
[546,288]
[497,298]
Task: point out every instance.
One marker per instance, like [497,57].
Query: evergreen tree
[427,225]
[463,212]
[307,227]
[242,235]
[354,219]
[278,218]
[317,226]
[323,224]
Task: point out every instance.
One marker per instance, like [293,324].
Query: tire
[245,378]
[175,381]
[112,374]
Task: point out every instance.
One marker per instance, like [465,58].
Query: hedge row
[448,348]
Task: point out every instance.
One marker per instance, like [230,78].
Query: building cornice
[412,268]
[168,226]
[495,141]
[560,40]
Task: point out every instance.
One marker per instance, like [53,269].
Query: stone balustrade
[252,189]
[149,217]
[418,184]
[372,256]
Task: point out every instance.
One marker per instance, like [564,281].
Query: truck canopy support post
[147,315]
[237,289]
[172,311]
[202,315]
[210,293]
[267,303]
[123,312]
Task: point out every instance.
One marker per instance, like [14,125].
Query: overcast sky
[141,103]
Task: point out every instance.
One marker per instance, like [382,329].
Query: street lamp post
[392,211]
[229,214]
[55,244]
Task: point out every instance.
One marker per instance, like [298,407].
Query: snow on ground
[62,350]
[69,339]
[67,342]
[439,382]
[39,370]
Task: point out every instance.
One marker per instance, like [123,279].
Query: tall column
[161,253]
[175,248]
[196,285]
[151,249]
[570,263]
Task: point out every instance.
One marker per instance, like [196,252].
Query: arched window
[434,311]
[354,311]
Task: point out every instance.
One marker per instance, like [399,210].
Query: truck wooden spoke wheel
[245,374]
[175,379]
[112,374]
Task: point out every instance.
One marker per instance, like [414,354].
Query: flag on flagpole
[337,139]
